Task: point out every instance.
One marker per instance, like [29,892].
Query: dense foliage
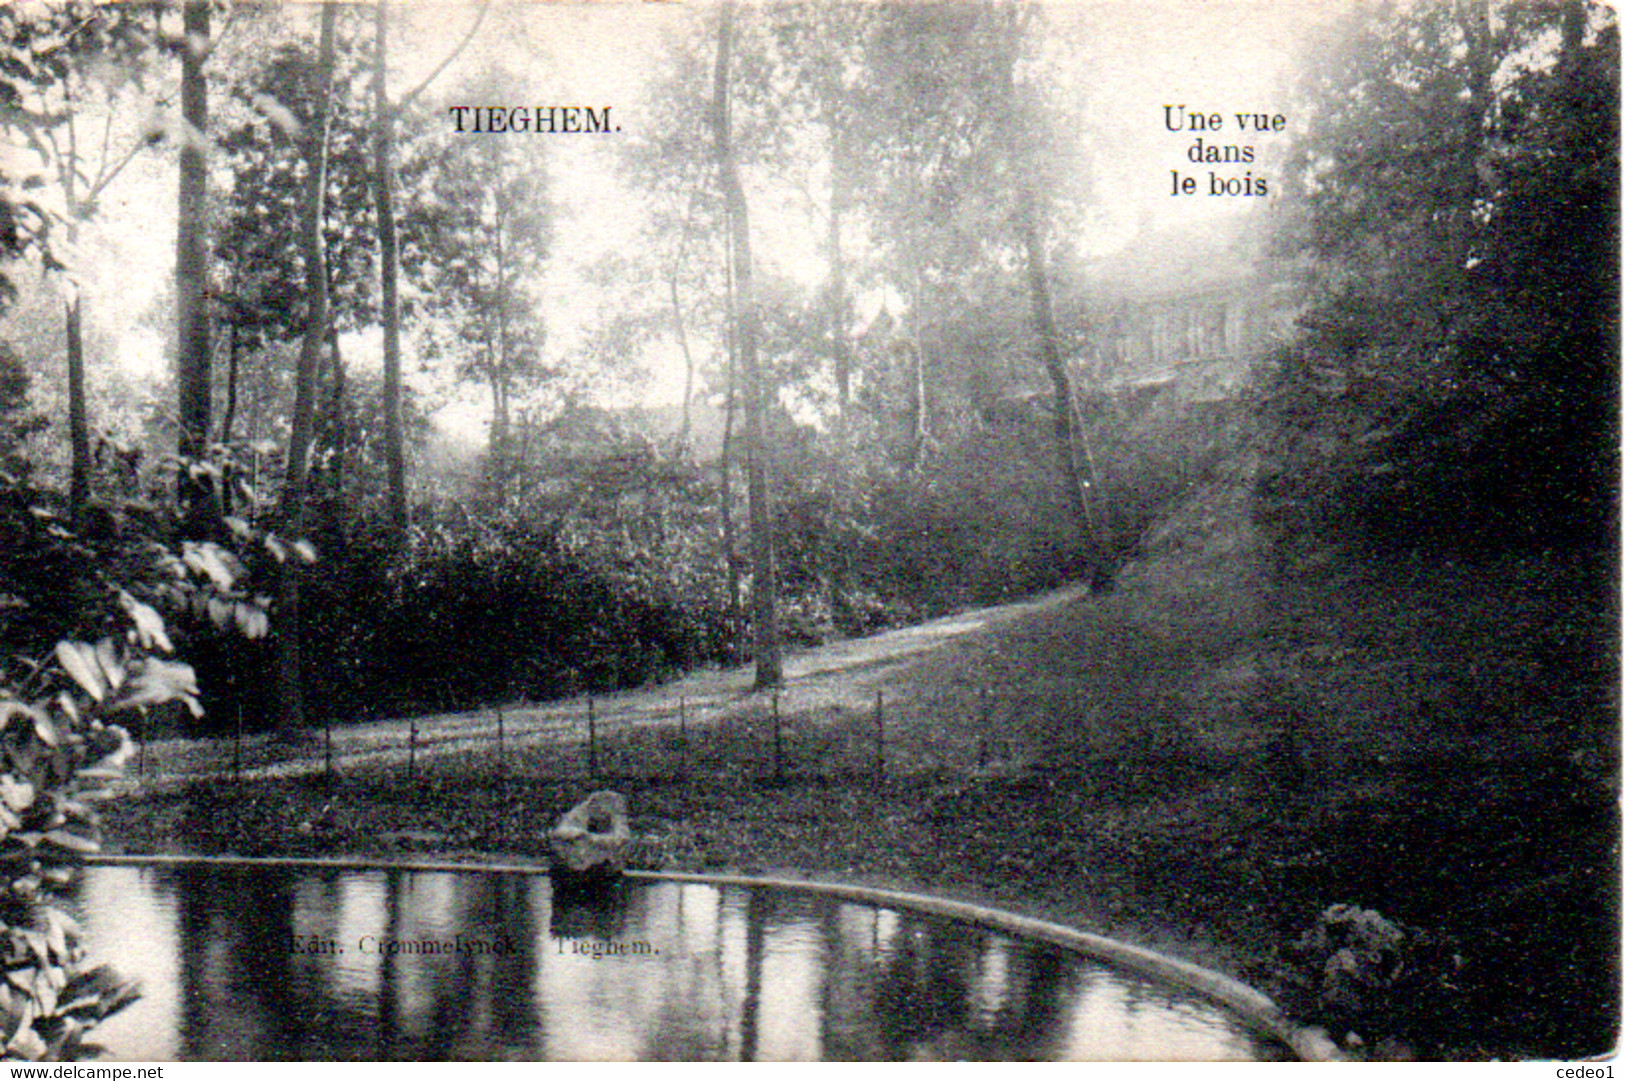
[88,650]
[1457,191]
[1451,204]
[608,571]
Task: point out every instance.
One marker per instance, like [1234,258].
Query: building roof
[1211,256]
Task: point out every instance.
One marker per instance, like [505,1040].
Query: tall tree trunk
[1049,350]
[228,418]
[79,450]
[764,575]
[290,669]
[838,568]
[383,186]
[191,269]
[498,452]
[685,433]
[725,497]
[78,417]
[497,445]
[337,425]
[839,347]
[1573,23]
[918,417]
[1482,60]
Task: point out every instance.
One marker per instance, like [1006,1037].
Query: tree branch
[108,178]
[407,99]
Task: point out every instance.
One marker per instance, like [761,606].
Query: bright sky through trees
[1126,61]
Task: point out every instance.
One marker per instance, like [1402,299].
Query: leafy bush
[1368,972]
[1455,381]
[470,615]
[61,750]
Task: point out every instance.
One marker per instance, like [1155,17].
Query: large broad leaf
[25,1043]
[68,1043]
[110,748]
[158,681]
[45,730]
[149,625]
[96,993]
[17,795]
[212,560]
[112,665]
[10,708]
[79,661]
[43,992]
[73,842]
[251,620]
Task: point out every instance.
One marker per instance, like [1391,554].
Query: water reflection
[265,963]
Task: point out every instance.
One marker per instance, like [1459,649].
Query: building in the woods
[1179,316]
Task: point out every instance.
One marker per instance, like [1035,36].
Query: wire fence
[593,739]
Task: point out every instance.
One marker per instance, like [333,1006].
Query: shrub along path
[1200,761]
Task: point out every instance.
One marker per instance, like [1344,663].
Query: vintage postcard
[946,530]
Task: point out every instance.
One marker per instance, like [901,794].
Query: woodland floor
[1200,761]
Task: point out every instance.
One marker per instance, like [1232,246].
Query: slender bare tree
[764,574]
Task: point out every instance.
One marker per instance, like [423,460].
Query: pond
[317,963]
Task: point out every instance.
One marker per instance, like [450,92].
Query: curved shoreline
[1253,1006]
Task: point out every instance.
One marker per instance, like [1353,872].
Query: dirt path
[917,669]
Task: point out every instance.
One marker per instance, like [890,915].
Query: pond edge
[1252,1005]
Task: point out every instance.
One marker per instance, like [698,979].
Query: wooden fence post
[499,813]
[880,734]
[682,736]
[412,751]
[778,749]
[592,739]
[987,725]
[237,749]
[327,748]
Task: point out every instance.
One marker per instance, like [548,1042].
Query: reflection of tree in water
[255,997]
[332,1020]
[469,1014]
[473,1004]
[758,910]
[923,996]
[692,1020]
[598,913]
[389,992]
[884,984]
[451,991]
[193,934]
[1030,1018]
[852,970]
[922,991]
[516,1016]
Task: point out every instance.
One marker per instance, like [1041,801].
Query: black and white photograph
[809,530]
